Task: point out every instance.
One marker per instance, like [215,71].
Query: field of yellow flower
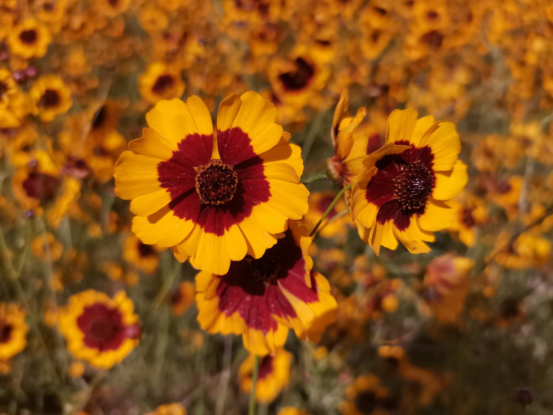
[276,207]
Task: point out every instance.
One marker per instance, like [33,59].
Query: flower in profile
[403,188]
[212,197]
[169,409]
[447,284]
[350,143]
[139,255]
[261,299]
[99,329]
[160,81]
[29,39]
[13,331]
[526,251]
[51,97]
[273,375]
[367,396]
[183,298]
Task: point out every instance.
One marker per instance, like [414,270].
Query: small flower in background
[447,284]
[261,299]
[367,396]
[139,255]
[527,251]
[403,188]
[169,409]
[288,410]
[13,332]
[183,298]
[160,81]
[470,214]
[46,248]
[212,199]
[29,39]
[98,329]
[273,375]
[51,97]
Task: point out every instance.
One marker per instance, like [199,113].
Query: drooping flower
[261,299]
[447,284]
[212,197]
[273,375]
[403,188]
[99,329]
[13,331]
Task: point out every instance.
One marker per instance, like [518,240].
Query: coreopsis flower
[526,251]
[29,39]
[14,103]
[288,410]
[272,377]
[160,81]
[51,97]
[469,215]
[212,197]
[261,299]
[366,396]
[99,329]
[140,255]
[183,298]
[447,284]
[13,331]
[403,188]
[350,143]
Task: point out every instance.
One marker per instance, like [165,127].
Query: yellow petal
[449,184]
[444,142]
[400,125]
[437,216]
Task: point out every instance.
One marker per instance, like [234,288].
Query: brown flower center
[163,83]
[413,186]
[265,269]
[216,183]
[298,79]
[28,36]
[467,218]
[3,89]
[145,250]
[99,118]
[365,402]
[432,39]
[5,332]
[50,98]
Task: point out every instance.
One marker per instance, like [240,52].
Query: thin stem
[329,209]
[315,178]
[332,219]
[254,385]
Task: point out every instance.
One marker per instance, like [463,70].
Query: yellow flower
[14,105]
[403,188]
[13,331]
[160,81]
[212,197]
[183,298]
[526,251]
[29,39]
[141,256]
[46,248]
[367,397]
[51,97]
[169,409]
[288,410]
[273,375]
[468,216]
[99,329]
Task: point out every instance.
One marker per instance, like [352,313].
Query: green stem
[315,178]
[329,209]
[332,219]
[254,385]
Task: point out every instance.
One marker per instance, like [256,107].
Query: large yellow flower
[403,187]
[100,329]
[13,331]
[214,197]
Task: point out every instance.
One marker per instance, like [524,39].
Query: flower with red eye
[99,329]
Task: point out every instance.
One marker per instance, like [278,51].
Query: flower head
[13,331]
[100,329]
[261,299]
[212,197]
[403,188]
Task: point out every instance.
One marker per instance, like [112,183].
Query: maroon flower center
[365,402]
[28,36]
[432,39]
[41,186]
[5,332]
[299,78]
[50,98]
[162,84]
[104,329]
[266,367]
[145,250]
[265,269]
[413,186]
[325,203]
[3,89]
[467,218]
[216,183]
